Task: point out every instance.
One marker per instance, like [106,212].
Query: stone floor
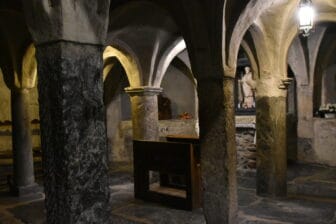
[311,200]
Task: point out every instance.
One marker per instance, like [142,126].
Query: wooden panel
[167,158]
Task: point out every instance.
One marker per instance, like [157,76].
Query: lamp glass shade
[306,17]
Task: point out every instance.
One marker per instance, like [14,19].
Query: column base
[21,191]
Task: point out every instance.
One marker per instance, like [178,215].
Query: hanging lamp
[306,17]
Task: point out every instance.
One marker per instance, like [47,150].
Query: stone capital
[20,90]
[271,86]
[285,83]
[229,78]
[230,72]
[143,91]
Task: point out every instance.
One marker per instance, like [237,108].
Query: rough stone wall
[122,147]
[246,149]
[245,140]
[178,127]
[324,141]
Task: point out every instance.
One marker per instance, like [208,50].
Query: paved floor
[311,200]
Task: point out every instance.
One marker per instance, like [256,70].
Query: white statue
[247,86]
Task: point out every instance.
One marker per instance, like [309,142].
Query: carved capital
[285,83]
[230,72]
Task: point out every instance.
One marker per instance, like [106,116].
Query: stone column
[73,132]
[145,117]
[218,149]
[23,164]
[271,139]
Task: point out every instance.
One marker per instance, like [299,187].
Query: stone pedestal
[145,112]
[23,182]
[73,132]
[218,149]
[271,146]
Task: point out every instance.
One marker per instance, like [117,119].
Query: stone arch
[297,60]
[5,62]
[246,50]
[156,30]
[181,65]
[257,34]
[250,52]
[327,17]
[248,15]
[327,10]
[29,68]
[168,56]
[321,17]
[17,51]
[117,107]
[324,62]
[260,35]
[292,33]
[110,65]
[183,93]
[127,60]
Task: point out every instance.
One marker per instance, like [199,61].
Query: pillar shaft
[73,132]
[271,146]
[23,164]
[218,150]
[145,116]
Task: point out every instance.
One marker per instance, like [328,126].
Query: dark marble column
[73,132]
[23,164]
[271,146]
[218,149]
[145,117]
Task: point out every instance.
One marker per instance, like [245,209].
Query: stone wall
[121,148]
[181,91]
[320,148]
[245,140]
[5,111]
[324,141]
[246,149]
[6,136]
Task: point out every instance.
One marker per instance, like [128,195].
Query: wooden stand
[168,159]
